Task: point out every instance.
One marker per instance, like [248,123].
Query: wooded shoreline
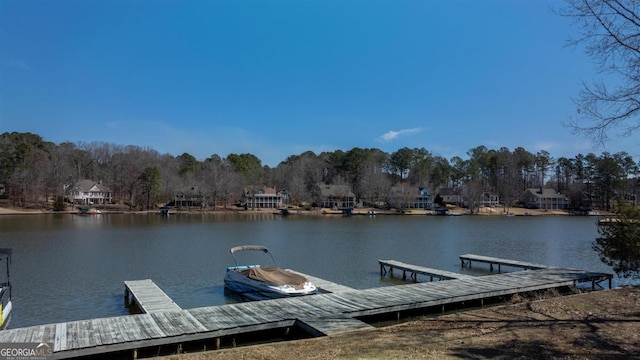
[496,211]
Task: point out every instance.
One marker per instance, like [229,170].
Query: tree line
[35,172]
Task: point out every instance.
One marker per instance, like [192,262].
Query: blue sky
[278,78]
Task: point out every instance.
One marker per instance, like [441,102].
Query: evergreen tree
[619,242]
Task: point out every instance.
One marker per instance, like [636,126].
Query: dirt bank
[595,325]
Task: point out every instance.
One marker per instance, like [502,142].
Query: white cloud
[392,134]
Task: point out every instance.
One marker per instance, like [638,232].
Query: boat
[5,290]
[259,282]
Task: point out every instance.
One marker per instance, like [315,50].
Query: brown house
[336,196]
[544,199]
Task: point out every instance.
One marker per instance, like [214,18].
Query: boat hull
[251,289]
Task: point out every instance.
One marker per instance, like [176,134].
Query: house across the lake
[451,196]
[336,196]
[544,199]
[405,196]
[263,197]
[89,192]
[189,200]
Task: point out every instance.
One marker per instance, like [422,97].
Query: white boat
[5,290]
[257,282]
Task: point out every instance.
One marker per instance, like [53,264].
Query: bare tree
[218,180]
[610,32]
[376,182]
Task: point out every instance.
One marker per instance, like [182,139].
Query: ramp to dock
[148,296]
[387,267]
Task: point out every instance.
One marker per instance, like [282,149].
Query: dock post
[490,267]
[217,343]
[126,296]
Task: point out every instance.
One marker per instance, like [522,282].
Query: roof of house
[86,185]
[336,190]
[403,189]
[544,193]
[448,192]
[250,190]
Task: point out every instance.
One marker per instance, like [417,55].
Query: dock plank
[333,325]
[60,342]
[213,318]
[90,336]
[108,333]
[173,323]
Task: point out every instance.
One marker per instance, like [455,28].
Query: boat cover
[275,276]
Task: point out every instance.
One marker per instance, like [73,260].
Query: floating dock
[387,267]
[148,296]
[466,260]
[326,314]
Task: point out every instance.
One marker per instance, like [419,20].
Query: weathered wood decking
[387,267]
[324,285]
[148,296]
[322,314]
[467,259]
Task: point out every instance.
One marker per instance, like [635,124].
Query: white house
[89,192]
[259,197]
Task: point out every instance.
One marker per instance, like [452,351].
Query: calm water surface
[70,267]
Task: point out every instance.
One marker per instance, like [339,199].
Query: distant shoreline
[316,212]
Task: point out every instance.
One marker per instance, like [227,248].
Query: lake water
[71,267]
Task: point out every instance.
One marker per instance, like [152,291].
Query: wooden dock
[325,286]
[148,296]
[466,260]
[322,314]
[387,267]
